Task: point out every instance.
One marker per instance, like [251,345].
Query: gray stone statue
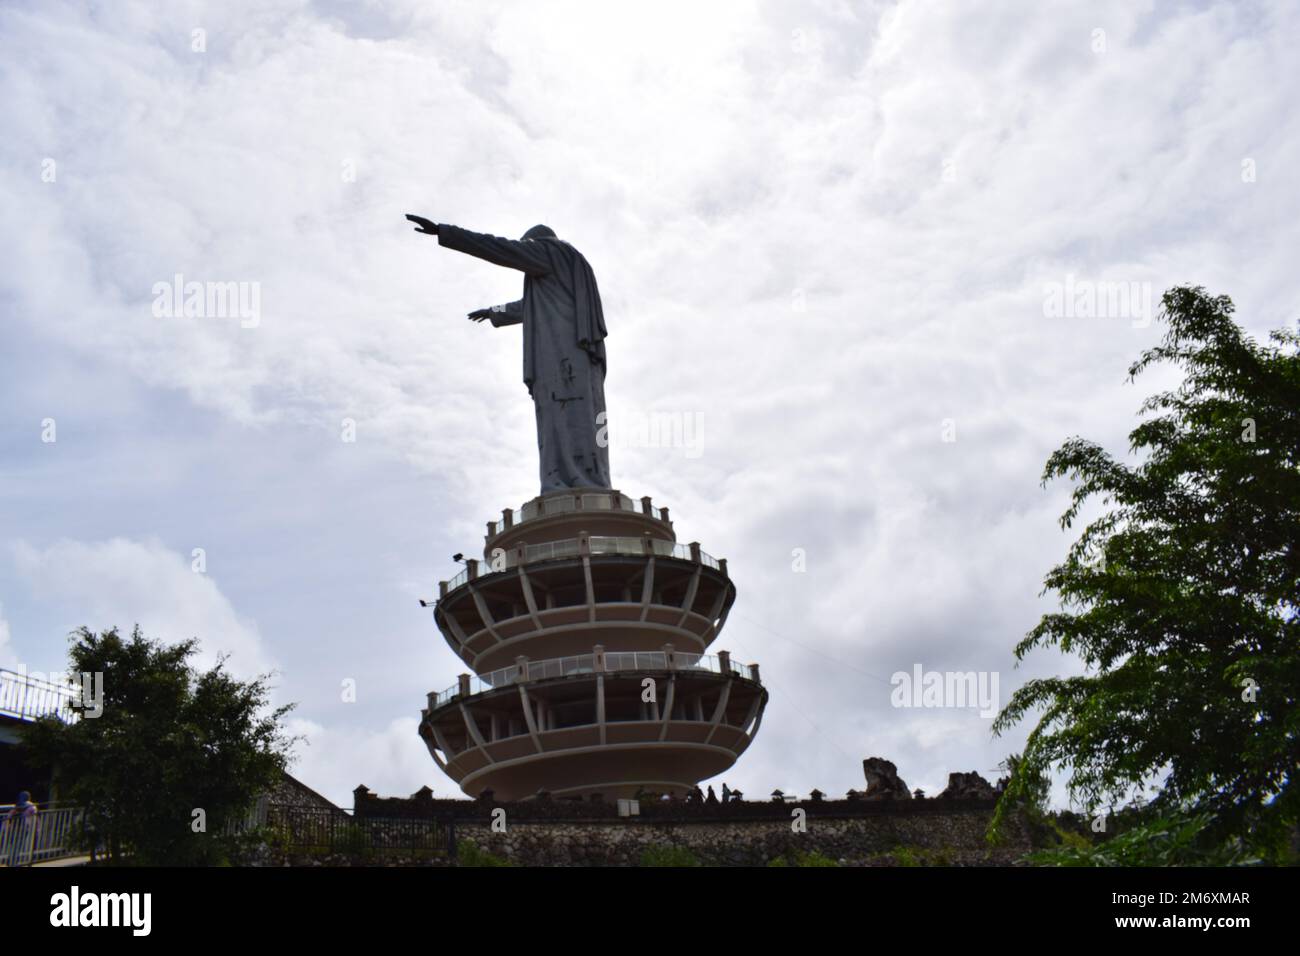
[564,347]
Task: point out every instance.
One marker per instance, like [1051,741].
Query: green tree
[1169,840]
[1181,598]
[1034,789]
[170,740]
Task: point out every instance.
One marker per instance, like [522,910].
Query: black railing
[557,810]
[332,830]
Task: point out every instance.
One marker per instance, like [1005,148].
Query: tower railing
[565,503]
[578,547]
[527,671]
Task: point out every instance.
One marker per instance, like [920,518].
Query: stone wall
[289,791]
[861,831]
[423,805]
[950,836]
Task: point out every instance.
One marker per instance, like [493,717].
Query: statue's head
[540,232]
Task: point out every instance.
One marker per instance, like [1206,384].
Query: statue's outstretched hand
[423,225]
[478,315]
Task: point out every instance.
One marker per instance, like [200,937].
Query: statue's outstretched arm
[512,313]
[531,256]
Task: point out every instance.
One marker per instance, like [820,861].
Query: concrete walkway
[66,861]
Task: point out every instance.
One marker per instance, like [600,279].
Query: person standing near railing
[18,832]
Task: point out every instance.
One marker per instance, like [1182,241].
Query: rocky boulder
[968,786]
[883,782]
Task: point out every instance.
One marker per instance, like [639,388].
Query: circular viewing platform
[583,603]
[564,596]
[580,725]
[563,514]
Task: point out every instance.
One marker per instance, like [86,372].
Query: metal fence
[44,836]
[255,817]
[49,834]
[615,661]
[562,504]
[597,545]
[333,830]
[29,698]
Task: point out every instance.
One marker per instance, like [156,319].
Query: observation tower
[586,626]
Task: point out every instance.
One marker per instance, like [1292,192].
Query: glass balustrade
[561,667]
[626,545]
[550,551]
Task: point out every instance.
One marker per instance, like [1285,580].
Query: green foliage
[353,841]
[469,853]
[170,740]
[804,858]
[917,856]
[1168,840]
[1035,786]
[237,849]
[245,846]
[1181,592]
[1030,798]
[668,855]
[1066,837]
[278,836]
[905,856]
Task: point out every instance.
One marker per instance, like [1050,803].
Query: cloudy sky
[828,237]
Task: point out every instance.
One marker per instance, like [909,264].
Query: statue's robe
[564,350]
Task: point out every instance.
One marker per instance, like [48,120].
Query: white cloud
[8,657]
[120,582]
[391,760]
